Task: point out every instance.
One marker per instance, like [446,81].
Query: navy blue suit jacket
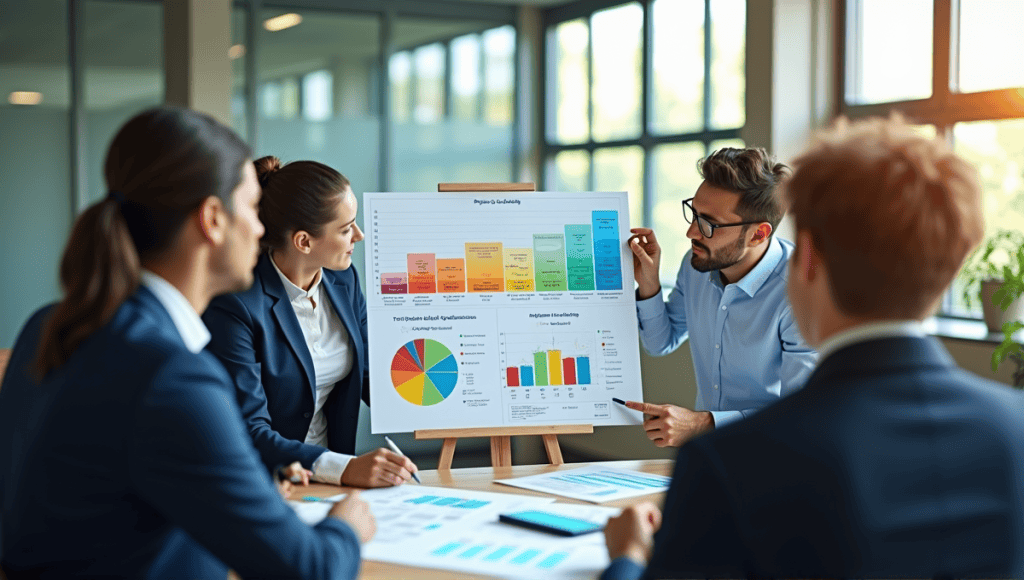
[257,337]
[891,462]
[131,460]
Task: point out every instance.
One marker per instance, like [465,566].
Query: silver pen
[395,448]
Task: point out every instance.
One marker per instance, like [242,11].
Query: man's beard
[720,259]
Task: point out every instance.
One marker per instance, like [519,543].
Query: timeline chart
[499,308]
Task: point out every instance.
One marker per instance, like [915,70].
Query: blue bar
[499,553]
[472,551]
[583,370]
[447,549]
[447,501]
[423,499]
[525,557]
[526,376]
[552,560]
[608,265]
[471,504]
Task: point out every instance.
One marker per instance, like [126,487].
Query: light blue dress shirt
[747,350]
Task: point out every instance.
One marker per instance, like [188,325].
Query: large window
[932,60]
[637,93]
[452,86]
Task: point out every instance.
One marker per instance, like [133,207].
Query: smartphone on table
[551,523]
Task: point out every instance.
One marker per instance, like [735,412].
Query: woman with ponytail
[122,450]
[295,342]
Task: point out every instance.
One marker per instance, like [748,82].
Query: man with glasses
[729,299]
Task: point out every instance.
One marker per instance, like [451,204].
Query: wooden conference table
[482,479]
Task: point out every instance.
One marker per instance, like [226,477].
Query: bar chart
[537,253]
[548,359]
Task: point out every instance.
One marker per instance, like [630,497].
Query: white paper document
[499,309]
[593,483]
[508,551]
[453,529]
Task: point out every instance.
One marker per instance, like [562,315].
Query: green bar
[579,251]
[549,259]
[540,365]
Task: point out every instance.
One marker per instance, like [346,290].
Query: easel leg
[553,449]
[447,453]
[501,451]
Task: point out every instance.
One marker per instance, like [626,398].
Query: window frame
[944,108]
[647,140]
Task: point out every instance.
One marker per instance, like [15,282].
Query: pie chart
[424,372]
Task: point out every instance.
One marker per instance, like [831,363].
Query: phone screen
[552,522]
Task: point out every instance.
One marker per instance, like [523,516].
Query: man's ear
[302,241]
[761,234]
[213,220]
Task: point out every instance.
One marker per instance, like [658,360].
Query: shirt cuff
[329,466]
[722,418]
[652,307]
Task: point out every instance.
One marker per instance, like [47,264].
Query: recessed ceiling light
[281,22]
[25,98]
[236,51]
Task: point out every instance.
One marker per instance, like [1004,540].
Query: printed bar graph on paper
[396,283]
[606,250]
[484,267]
[549,259]
[472,551]
[447,549]
[525,557]
[526,375]
[519,275]
[555,366]
[512,376]
[499,553]
[579,252]
[552,560]
[451,275]
[569,371]
[583,370]
[422,268]
[540,363]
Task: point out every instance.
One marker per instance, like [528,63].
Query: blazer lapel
[337,291]
[285,316]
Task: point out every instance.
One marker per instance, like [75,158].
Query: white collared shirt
[186,320]
[330,348]
[871,331]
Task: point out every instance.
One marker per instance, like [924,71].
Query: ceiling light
[236,51]
[281,22]
[25,98]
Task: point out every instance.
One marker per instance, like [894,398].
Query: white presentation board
[499,309]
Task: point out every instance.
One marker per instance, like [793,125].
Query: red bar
[569,371]
[513,376]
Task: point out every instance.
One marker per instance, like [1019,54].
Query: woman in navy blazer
[295,342]
[124,454]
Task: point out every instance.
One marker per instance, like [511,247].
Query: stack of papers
[593,484]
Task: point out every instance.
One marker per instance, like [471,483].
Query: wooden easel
[501,437]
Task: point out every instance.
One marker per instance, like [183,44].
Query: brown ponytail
[302,195]
[161,166]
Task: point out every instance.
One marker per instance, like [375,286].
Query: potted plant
[1012,350]
[994,274]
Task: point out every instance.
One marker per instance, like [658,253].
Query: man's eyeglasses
[707,229]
